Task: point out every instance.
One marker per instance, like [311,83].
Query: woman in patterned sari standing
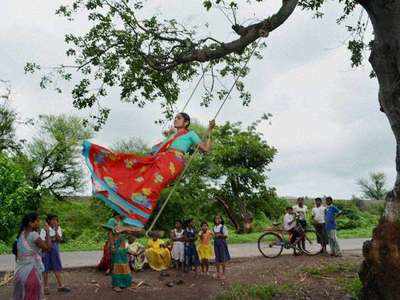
[28,281]
[131,183]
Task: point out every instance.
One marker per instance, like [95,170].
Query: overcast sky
[326,122]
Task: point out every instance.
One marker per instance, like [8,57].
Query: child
[51,259]
[121,276]
[220,246]
[158,256]
[191,255]
[289,224]
[105,262]
[136,255]
[331,213]
[178,247]
[204,249]
[318,217]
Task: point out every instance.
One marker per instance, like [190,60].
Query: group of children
[323,219]
[188,255]
[187,250]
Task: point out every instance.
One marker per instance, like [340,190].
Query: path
[90,258]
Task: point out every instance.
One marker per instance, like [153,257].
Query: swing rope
[197,147]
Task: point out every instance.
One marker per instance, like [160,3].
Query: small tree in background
[51,161]
[374,187]
[131,145]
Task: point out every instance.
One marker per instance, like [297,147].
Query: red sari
[105,262]
[130,183]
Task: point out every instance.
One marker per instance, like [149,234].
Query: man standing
[318,217]
[331,213]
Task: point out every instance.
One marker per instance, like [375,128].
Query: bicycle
[273,241]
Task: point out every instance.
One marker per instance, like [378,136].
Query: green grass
[351,286]
[331,269]
[252,291]
[362,232]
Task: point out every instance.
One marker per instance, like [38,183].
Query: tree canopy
[148,58]
[51,160]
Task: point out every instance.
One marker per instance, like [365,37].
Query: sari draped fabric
[28,270]
[121,274]
[130,183]
[158,257]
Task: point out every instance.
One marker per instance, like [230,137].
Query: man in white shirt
[318,217]
[301,212]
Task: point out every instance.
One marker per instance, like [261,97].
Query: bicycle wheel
[270,245]
[309,244]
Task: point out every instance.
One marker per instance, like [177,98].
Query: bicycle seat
[276,223]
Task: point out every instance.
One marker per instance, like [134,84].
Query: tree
[149,58]
[52,160]
[16,196]
[374,189]
[133,145]
[7,129]
[237,166]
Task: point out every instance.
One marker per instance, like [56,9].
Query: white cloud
[326,126]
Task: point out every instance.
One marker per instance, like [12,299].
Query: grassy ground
[283,278]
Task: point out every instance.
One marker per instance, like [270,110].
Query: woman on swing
[130,183]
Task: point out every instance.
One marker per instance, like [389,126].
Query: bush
[274,208]
[4,248]
[351,217]
[376,208]
[261,222]
[79,219]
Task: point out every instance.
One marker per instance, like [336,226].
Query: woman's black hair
[222,220]
[50,217]
[28,218]
[186,117]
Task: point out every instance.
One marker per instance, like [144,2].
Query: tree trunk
[229,212]
[380,270]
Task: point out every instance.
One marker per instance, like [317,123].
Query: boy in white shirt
[318,217]
[289,224]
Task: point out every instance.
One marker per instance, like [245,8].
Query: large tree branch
[247,36]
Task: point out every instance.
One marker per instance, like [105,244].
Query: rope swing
[197,147]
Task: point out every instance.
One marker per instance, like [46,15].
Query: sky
[326,122]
